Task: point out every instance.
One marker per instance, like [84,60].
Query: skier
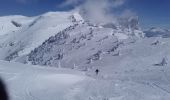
[97,71]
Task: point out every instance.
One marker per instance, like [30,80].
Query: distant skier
[162,63]
[97,71]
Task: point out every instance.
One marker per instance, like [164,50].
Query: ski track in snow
[27,82]
[37,84]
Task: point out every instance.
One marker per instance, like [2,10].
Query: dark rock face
[16,24]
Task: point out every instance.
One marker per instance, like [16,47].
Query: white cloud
[118,3]
[71,2]
[127,14]
[98,11]
[114,3]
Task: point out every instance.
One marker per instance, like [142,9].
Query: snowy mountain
[30,33]
[20,40]
[138,67]
[68,47]
[128,63]
[157,32]
[77,45]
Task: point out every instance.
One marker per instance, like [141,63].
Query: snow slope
[19,41]
[128,64]
[80,45]
[27,82]
[7,27]
[20,35]
[70,46]
[138,67]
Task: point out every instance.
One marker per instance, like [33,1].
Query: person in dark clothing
[3,92]
[97,71]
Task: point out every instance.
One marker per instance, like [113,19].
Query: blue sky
[150,12]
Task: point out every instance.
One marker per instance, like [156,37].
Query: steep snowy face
[78,45]
[28,33]
[63,38]
[157,32]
